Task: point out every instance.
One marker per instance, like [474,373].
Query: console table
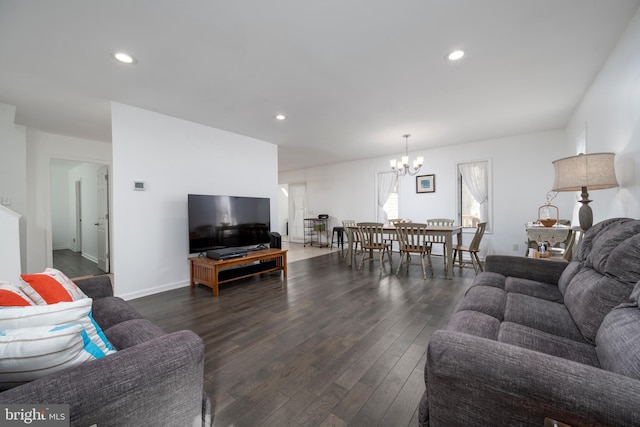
[211,272]
[554,235]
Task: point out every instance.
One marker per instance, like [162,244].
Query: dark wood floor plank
[73,264]
[328,345]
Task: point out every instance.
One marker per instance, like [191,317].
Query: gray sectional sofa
[537,339]
[154,379]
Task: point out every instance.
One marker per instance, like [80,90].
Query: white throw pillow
[27,354]
[62,313]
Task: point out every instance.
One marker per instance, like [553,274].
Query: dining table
[445,231]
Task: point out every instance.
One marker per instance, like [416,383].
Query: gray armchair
[155,378]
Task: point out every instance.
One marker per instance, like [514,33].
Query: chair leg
[364,254]
[444,255]
[475,254]
[399,263]
[424,272]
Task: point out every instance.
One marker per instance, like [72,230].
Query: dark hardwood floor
[327,346]
[73,264]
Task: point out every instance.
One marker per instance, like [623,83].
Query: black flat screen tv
[217,222]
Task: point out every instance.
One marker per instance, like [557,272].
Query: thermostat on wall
[138,185]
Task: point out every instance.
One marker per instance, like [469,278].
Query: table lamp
[585,172]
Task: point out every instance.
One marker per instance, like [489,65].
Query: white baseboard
[90,257]
[149,291]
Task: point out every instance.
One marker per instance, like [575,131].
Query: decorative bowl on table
[548,222]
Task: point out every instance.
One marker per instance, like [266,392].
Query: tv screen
[217,222]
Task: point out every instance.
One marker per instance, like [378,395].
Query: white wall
[610,112]
[42,147]
[60,207]
[522,174]
[174,158]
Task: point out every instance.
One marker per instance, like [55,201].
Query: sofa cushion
[132,332]
[474,323]
[618,341]
[110,311]
[533,288]
[543,315]
[526,337]
[485,299]
[608,275]
[568,274]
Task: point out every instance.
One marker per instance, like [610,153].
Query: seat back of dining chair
[371,234]
[439,222]
[475,243]
[350,223]
[413,237]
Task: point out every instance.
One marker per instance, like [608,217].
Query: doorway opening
[80,217]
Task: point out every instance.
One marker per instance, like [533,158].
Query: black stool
[340,239]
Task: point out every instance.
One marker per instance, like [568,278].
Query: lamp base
[585,214]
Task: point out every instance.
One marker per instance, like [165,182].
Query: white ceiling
[351,75]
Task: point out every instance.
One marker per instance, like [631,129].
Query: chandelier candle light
[401,167]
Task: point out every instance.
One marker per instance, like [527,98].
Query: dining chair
[473,249]
[371,235]
[414,238]
[394,222]
[350,223]
[440,222]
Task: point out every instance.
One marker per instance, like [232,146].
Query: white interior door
[103,219]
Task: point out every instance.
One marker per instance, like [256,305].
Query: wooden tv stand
[207,271]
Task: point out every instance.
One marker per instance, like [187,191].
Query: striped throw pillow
[50,287]
[12,296]
[27,354]
[62,313]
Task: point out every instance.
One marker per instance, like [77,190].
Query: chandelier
[401,167]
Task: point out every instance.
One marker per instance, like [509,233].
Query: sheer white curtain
[474,176]
[386,185]
[297,209]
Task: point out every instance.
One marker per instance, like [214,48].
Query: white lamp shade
[594,171]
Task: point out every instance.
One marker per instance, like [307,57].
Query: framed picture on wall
[426,184]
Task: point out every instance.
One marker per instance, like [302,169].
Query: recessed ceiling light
[124,58]
[281,117]
[455,55]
